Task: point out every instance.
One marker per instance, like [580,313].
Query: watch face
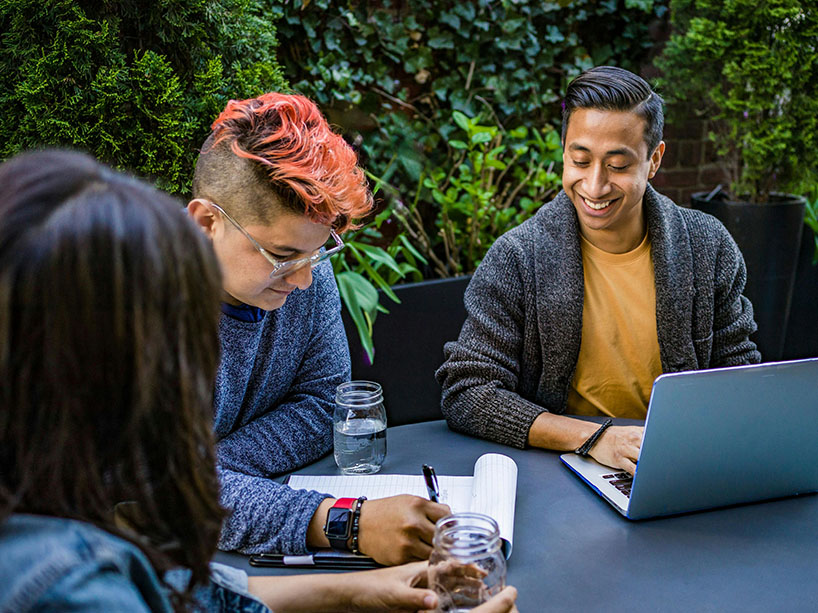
[338,524]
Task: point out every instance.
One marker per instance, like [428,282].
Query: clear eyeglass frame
[283,268]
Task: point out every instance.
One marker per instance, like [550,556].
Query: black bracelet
[356,518]
[586,446]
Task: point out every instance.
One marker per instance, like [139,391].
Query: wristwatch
[338,528]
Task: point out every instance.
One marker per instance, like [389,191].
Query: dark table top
[574,552]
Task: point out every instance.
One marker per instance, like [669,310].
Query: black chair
[409,347]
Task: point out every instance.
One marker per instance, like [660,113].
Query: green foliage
[752,68]
[135,84]
[394,72]
[371,267]
[494,180]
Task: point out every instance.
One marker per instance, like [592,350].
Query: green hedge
[404,67]
[751,69]
[136,84]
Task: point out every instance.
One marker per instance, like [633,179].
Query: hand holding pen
[399,528]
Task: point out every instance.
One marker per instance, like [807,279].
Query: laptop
[718,437]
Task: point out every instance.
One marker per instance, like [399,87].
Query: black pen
[319,560]
[431,483]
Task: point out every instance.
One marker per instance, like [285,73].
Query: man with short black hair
[579,309]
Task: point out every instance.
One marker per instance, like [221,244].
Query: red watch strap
[345,503]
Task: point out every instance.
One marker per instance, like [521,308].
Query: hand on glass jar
[467,566]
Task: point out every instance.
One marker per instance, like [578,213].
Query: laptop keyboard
[621,481]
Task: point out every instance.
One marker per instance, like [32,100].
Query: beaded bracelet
[356,518]
[586,446]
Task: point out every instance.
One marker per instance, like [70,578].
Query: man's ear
[203,216]
[656,159]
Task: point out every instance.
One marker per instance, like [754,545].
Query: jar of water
[467,565]
[359,427]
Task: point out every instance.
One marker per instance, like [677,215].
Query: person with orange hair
[108,484]
[274,188]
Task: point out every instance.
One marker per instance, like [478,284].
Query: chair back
[409,347]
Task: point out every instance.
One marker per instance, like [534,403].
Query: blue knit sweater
[274,398]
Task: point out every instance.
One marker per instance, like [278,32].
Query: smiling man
[579,309]
[274,188]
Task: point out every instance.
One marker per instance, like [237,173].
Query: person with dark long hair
[109,310]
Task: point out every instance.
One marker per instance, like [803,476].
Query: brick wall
[689,164]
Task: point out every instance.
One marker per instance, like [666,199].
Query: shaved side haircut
[278,152]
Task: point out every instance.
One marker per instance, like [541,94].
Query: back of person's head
[609,88]
[108,349]
[277,150]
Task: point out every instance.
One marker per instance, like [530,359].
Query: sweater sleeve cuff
[509,418]
[310,503]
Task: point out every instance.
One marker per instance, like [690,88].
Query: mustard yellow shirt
[619,353]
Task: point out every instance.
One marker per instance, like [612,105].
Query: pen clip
[302,560]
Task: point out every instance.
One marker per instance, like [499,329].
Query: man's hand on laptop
[618,447]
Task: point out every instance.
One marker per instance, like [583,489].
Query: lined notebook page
[454,491]
[492,490]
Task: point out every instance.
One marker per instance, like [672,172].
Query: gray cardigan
[517,352]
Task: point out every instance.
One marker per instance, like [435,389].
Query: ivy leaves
[409,65]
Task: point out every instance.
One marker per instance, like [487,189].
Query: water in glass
[359,427]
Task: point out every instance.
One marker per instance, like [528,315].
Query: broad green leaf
[379,281]
[360,298]
[461,120]
[380,255]
[411,248]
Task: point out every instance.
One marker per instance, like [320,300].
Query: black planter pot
[409,347]
[802,328]
[769,236]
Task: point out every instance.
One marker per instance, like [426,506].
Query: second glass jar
[467,565]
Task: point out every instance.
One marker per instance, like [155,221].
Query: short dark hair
[109,310]
[615,89]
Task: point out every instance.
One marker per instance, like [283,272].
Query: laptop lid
[727,436]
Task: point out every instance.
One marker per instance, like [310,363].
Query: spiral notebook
[491,490]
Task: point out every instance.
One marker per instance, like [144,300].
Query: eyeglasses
[283,268]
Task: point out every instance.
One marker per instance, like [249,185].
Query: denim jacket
[56,564]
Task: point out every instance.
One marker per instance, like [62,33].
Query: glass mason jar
[467,566]
[359,427]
